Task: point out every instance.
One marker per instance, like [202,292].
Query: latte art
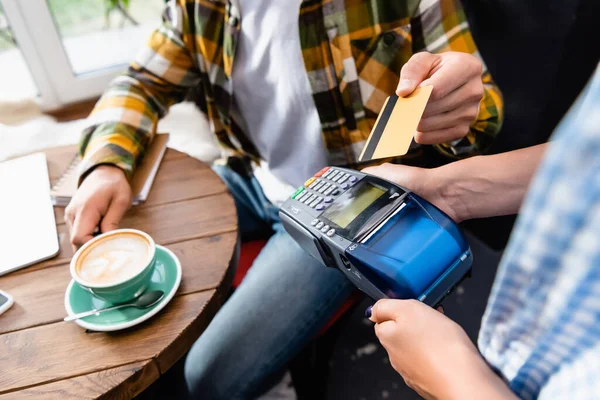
[114,259]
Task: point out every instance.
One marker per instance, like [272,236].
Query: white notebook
[28,229]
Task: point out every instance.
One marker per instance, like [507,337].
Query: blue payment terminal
[388,241]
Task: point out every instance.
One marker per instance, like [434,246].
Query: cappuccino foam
[114,259]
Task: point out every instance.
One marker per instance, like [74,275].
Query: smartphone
[6,301]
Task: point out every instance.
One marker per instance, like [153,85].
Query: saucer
[166,277]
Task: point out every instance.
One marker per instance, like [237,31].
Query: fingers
[371,170]
[386,310]
[446,127]
[70,216]
[102,199]
[117,208]
[386,329]
[442,135]
[471,92]
[83,227]
[412,178]
[452,75]
[461,116]
[385,171]
[415,71]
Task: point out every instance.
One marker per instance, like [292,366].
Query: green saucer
[166,277]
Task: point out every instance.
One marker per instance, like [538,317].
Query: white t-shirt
[273,95]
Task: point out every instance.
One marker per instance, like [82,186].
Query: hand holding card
[396,125]
[457,91]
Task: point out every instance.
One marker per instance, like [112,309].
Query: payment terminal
[387,240]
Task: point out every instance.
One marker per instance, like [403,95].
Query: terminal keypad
[320,190]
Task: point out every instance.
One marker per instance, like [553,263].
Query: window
[99,34]
[71,49]
[15,79]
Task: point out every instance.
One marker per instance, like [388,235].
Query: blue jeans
[285,298]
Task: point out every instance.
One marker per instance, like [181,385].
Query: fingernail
[369,311]
[404,84]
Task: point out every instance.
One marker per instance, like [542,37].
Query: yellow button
[309,181]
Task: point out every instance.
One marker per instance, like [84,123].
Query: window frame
[39,40]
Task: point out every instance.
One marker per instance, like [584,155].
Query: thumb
[117,208]
[411,178]
[396,173]
[386,310]
[415,71]
[84,225]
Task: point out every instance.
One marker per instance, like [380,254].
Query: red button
[321,172]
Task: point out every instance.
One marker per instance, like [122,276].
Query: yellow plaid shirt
[353,51]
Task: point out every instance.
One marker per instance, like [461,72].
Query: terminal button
[331,232]
[335,192]
[319,225]
[297,192]
[328,191]
[321,172]
[343,178]
[314,222]
[314,203]
[345,186]
[352,179]
[324,187]
[334,174]
[325,228]
[309,181]
[328,199]
[320,207]
[304,197]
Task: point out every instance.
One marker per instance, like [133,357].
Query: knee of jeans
[195,373]
[208,371]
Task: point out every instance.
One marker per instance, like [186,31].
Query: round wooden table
[189,211]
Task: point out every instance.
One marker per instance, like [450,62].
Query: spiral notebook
[65,187]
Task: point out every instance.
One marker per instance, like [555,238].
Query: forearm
[477,381]
[486,186]
[124,120]
[120,126]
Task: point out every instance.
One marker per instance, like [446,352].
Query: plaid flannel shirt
[353,52]
[541,328]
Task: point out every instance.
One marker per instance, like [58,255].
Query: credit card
[396,125]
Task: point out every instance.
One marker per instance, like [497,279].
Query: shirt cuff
[109,154]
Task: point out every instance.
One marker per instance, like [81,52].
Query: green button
[297,192]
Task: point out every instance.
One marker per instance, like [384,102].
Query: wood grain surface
[190,211]
[106,384]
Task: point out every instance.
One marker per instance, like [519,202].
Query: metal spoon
[146,300]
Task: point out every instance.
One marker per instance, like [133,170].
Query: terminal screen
[350,204]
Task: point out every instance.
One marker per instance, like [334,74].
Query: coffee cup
[115,266]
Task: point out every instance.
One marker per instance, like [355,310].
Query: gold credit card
[396,125]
